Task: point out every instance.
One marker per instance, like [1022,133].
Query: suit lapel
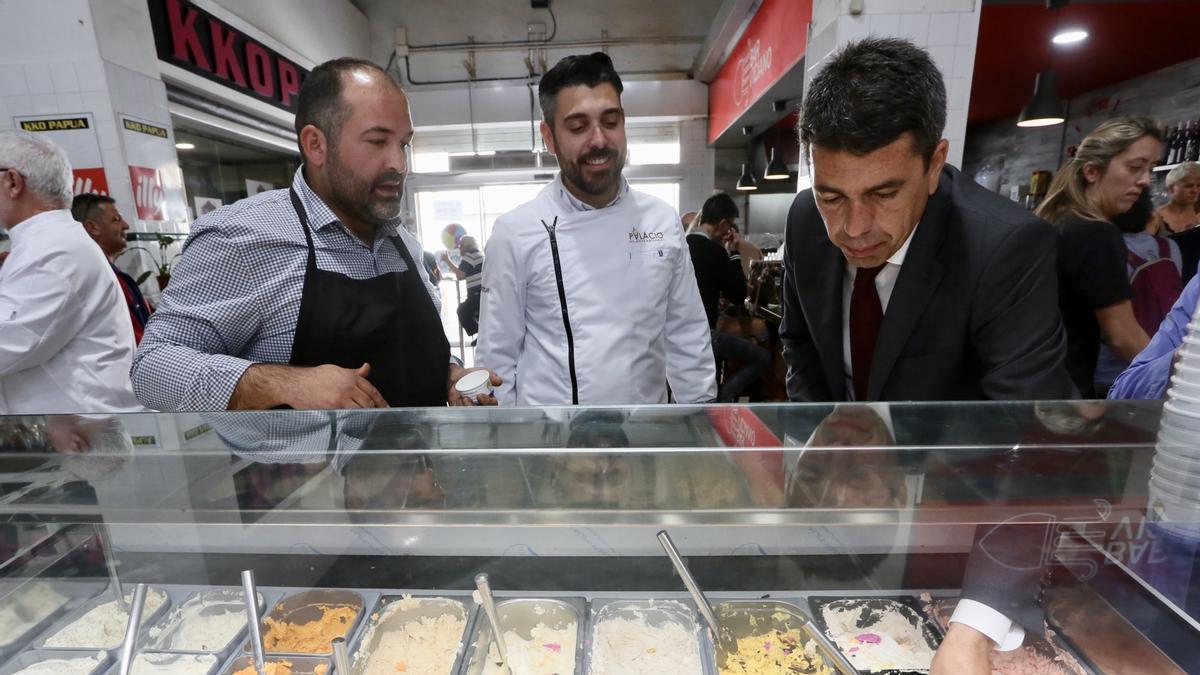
[920,275]
[821,276]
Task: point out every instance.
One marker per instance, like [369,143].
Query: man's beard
[356,195]
[598,184]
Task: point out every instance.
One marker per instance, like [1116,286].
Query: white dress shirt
[997,627]
[66,343]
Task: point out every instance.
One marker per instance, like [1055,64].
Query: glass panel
[668,192]
[1097,502]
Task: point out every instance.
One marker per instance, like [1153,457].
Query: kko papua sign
[191,38]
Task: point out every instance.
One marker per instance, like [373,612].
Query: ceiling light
[776,169]
[185,146]
[1069,36]
[1044,109]
[746,182]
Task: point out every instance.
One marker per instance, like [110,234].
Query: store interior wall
[319,31]
[1171,95]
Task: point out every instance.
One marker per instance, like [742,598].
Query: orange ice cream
[279,668]
[312,637]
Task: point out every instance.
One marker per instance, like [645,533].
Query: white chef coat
[632,305]
[66,343]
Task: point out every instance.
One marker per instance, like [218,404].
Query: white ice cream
[78,666]
[207,622]
[631,646]
[103,626]
[549,652]
[26,608]
[424,646]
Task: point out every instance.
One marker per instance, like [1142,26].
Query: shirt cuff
[1000,629]
[455,360]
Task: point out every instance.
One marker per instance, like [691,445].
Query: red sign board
[193,39]
[774,42]
[90,181]
[148,193]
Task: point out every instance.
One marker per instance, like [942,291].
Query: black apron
[388,321]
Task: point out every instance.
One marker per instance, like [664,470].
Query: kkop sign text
[191,38]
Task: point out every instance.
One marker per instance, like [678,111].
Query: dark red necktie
[866,315]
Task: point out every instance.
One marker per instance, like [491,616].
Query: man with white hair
[66,344]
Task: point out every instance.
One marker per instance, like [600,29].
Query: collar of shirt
[574,204]
[26,228]
[320,216]
[700,231]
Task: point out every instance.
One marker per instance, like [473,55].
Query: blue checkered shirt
[234,295]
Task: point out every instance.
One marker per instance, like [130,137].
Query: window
[668,192]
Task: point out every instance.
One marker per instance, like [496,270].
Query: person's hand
[4,256]
[963,652]
[331,387]
[731,240]
[453,397]
[72,434]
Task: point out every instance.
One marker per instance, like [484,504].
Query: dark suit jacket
[973,315]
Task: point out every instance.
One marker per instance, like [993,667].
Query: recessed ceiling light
[1070,36]
[185,146]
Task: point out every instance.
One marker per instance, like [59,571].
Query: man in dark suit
[903,280]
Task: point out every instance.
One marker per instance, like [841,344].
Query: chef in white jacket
[589,295]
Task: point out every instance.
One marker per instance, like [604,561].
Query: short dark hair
[1138,216]
[320,101]
[716,207]
[870,93]
[82,206]
[591,70]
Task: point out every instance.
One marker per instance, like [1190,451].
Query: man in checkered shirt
[308,297]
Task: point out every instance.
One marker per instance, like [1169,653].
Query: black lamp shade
[776,169]
[747,182]
[1044,109]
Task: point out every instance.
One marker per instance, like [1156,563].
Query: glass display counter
[840,537]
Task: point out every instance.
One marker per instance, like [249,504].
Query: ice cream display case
[825,539]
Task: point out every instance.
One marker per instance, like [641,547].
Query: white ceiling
[451,21]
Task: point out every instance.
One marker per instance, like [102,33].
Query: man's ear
[315,145]
[940,152]
[548,137]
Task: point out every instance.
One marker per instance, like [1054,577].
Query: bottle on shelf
[1173,144]
[1193,144]
[1168,142]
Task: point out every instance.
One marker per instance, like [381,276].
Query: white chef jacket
[66,344]
[632,314]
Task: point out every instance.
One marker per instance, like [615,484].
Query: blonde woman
[1183,185]
[1103,180]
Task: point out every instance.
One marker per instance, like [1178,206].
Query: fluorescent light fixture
[185,146]
[1069,36]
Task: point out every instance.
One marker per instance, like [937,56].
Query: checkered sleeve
[209,311]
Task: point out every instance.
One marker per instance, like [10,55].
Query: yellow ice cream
[777,652]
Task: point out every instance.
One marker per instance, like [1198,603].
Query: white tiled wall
[697,163]
[948,29]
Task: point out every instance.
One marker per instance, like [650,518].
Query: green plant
[163,261]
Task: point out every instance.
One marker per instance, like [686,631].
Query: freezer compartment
[531,619]
[100,662]
[296,665]
[211,611]
[291,626]
[634,636]
[399,625]
[762,629]
[107,629]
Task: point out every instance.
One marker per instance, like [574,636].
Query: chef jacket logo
[636,236]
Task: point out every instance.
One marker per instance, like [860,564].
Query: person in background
[310,297]
[103,222]
[431,268]
[687,219]
[66,344]
[1155,268]
[1149,374]
[470,268]
[1106,176]
[719,273]
[589,294]
[1183,187]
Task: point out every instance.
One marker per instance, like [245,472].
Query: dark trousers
[468,314]
[753,359]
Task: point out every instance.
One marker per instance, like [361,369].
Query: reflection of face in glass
[600,480]
[849,478]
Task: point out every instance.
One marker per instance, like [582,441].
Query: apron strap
[303,216]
